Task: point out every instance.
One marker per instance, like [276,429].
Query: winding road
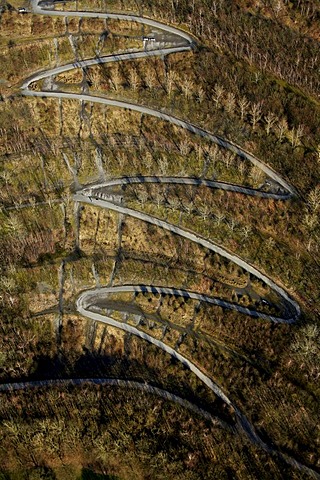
[92,195]
[87,196]
[197,182]
[116,382]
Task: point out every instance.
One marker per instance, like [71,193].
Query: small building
[148,41]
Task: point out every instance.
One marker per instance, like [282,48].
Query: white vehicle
[22,10]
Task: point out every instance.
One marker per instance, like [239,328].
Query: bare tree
[230,102]
[8,284]
[232,224]
[318,153]
[142,196]
[184,146]
[270,243]
[189,206]
[175,203]
[256,175]
[159,198]
[204,211]
[148,159]
[307,343]
[163,164]
[270,120]
[243,106]
[14,226]
[219,218]
[200,94]
[246,230]
[311,220]
[6,176]
[218,94]
[256,113]
[170,82]
[187,87]
[278,7]
[296,134]
[242,169]
[199,150]
[116,79]
[150,79]
[134,79]
[282,128]
[212,152]
[95,77]
[314,198]
[229,158]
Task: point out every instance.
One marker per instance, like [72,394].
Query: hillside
[160,198]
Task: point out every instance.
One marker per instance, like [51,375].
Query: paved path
[88,195]
[127,384]
[87,300]
[227,144]
[35,8]
[189,44]
[155,290]
[96,61]
[140,179]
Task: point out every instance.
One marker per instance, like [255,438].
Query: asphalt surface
[294,307]
[87,195]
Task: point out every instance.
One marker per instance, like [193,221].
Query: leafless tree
[163,164]
[204,211]
[256,175]
[232,224]
[159,198]
[116,79]
[174,202]
[229,159]
[187,87]
[270,120]
[230,102]
[171,81]
[200,94]
[184,146]
[256,113]
[142,196]
[150,79]
[296,134]
[148,158]
[242,169]
[314,198]
[212,152]
[278,7]
[307,343]
[199,150]
[246,230]
[282,128]
[219,218]
[188,206]
[15,226]
[243,106]
[311,220]
[270,243]
[134,79]
[218,94]
[318,153]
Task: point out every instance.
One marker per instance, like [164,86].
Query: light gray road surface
[87,195]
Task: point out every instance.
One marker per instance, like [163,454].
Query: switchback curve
[85,196]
